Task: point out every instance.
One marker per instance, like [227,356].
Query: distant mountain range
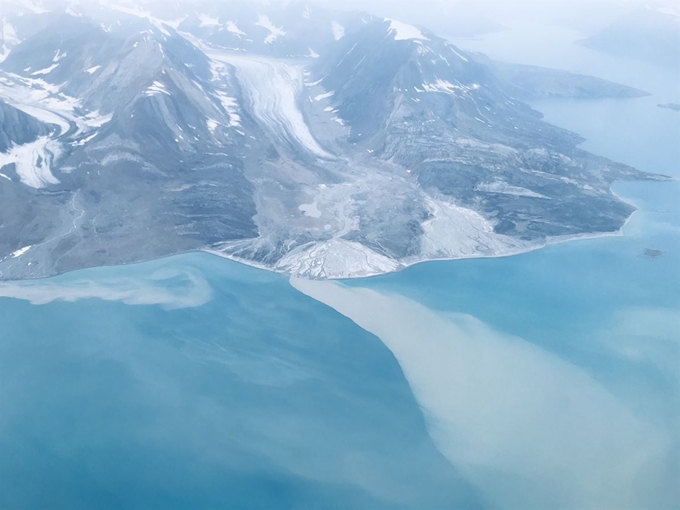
[651,33]
[317,143]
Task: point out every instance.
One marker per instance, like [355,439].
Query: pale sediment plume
[529,429]
[170,288]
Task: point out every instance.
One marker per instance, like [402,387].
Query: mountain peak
[312,142]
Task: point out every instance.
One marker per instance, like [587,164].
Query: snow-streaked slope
[338,30]
[273,88]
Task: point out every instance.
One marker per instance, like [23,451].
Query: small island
[670,106]
[652,254]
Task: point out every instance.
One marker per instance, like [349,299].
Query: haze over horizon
[436,14]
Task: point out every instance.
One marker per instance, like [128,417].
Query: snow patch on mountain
[274,31]
[323,96]
[208,21]
[230,105]
[157,88]
[405,32]
[455,52]
[96,120]
[338,30]
[19,252]
[447,87]
[84,141]
[47,70]
[212,125]
[234,29]
[59,56]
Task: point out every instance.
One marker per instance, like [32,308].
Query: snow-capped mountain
[306,141]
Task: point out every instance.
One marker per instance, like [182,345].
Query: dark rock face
[18,128]
[309,142]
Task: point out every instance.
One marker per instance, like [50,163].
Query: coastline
[550,241]
[401,265]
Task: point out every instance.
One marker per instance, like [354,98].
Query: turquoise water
[609,306]
[576,299]
[259,398]
[195,382]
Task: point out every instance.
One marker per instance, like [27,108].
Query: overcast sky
[448,17]
[580,14]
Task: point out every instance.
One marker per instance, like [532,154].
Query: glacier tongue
[273,87]
[33,161]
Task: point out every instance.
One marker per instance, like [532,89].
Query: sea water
[196,382]
[605,310]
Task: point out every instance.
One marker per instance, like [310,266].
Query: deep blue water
[195,382]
